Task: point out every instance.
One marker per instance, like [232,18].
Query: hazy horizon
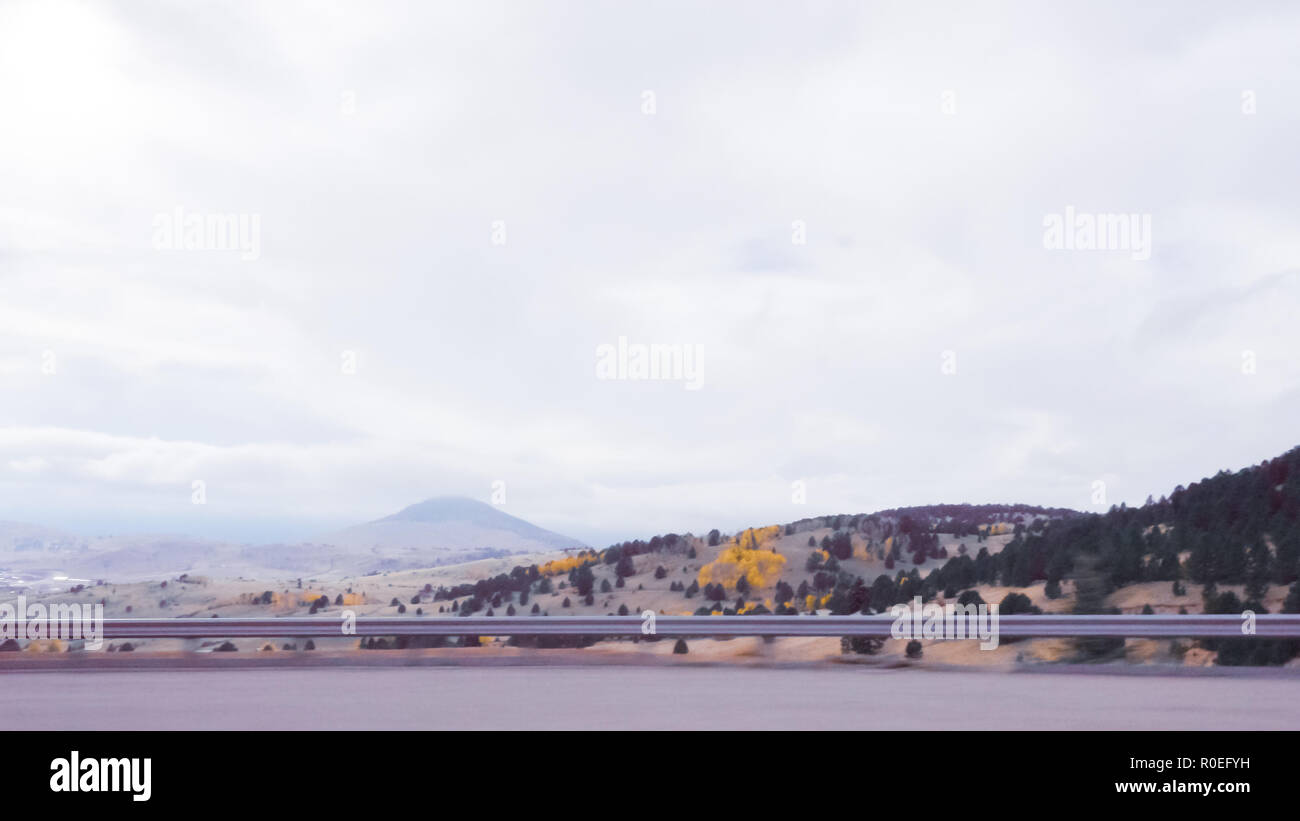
[284,529]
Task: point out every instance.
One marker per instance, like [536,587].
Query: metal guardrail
[1154,626]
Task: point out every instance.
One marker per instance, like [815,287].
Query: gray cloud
[475,361]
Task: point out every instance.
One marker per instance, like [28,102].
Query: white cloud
[475,361]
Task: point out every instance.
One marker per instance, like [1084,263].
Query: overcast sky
[842,205]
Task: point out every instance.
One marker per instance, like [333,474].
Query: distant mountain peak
[448,508]
[453,523]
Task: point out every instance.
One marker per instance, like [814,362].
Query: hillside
[1234,528]
[1218,545]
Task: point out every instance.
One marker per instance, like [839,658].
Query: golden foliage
[557,567]
[760,568]
[756,537]
[290,599]
[812,602]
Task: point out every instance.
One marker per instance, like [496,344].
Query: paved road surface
[527,698]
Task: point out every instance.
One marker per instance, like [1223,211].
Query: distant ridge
[451,523]
[24,536]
